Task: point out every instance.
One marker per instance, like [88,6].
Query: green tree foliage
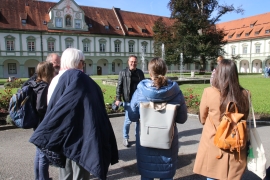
[193,32]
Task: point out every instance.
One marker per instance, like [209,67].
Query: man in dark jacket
[128,80]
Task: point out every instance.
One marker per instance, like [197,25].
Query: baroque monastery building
[30,30]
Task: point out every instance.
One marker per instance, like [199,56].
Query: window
[69,42]
[245,50]
[31,46]
[10,45]
[267,31]
[144,46]
[257,48]
[107,27]
[117,47]
[31,43]
[69,45]
[58,22]
[102,47]
[86,47]
[247,34]
[78,24]
[12,69]
[131,48]
[233,50]
[51,46]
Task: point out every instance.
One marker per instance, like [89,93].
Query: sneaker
[125,142]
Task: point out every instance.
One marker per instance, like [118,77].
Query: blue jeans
[146,178]
[41,166]
[209,179]
[127,122]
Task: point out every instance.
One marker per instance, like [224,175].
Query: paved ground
[17,154]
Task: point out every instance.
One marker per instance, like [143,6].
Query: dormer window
[129,27]
[23,21]
[247,32]
[239,33]
[230,35]
[258,30]
[142,28]
[267,30]
[90,25]
[105,24]
[23,17]
[252,23]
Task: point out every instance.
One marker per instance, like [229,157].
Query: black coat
[123,86]
[76,124]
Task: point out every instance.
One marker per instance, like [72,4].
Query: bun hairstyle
[157,68]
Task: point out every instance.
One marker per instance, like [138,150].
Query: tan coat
[206,163]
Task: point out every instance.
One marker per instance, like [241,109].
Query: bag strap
[235,107]
[252,110]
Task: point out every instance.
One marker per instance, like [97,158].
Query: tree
[194,32]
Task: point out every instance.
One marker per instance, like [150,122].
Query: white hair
[70,58]
[50,57]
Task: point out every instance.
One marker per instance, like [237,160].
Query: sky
[159,7]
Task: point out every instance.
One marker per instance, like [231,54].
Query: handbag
[157,124]
[232,131]
[256,160]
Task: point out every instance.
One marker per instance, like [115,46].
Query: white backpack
[157,124]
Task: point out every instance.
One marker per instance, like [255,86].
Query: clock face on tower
[58,13]
[78,16]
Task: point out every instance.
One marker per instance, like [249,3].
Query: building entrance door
[31,71]
[99,70]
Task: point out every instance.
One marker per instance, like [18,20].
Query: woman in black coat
[45,73]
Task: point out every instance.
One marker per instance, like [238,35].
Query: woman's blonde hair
[45,72]
[157,68]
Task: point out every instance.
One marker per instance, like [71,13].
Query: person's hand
[117,103]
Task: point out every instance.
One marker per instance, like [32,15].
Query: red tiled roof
[261,21]
[137,20]
[37,11]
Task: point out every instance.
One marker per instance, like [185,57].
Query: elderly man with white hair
[76,123]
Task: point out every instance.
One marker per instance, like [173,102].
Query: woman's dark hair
[45,72]
[226,80]
[157,68]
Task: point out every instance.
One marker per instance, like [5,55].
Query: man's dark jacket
[76,123]
[124,80]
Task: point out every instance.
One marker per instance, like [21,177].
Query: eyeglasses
[83,62]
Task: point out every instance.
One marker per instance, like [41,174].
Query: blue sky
[159,7]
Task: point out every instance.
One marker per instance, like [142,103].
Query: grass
[257,84]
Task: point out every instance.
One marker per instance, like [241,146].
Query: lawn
[257,84]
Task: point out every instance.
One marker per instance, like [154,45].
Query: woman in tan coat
[225,88]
